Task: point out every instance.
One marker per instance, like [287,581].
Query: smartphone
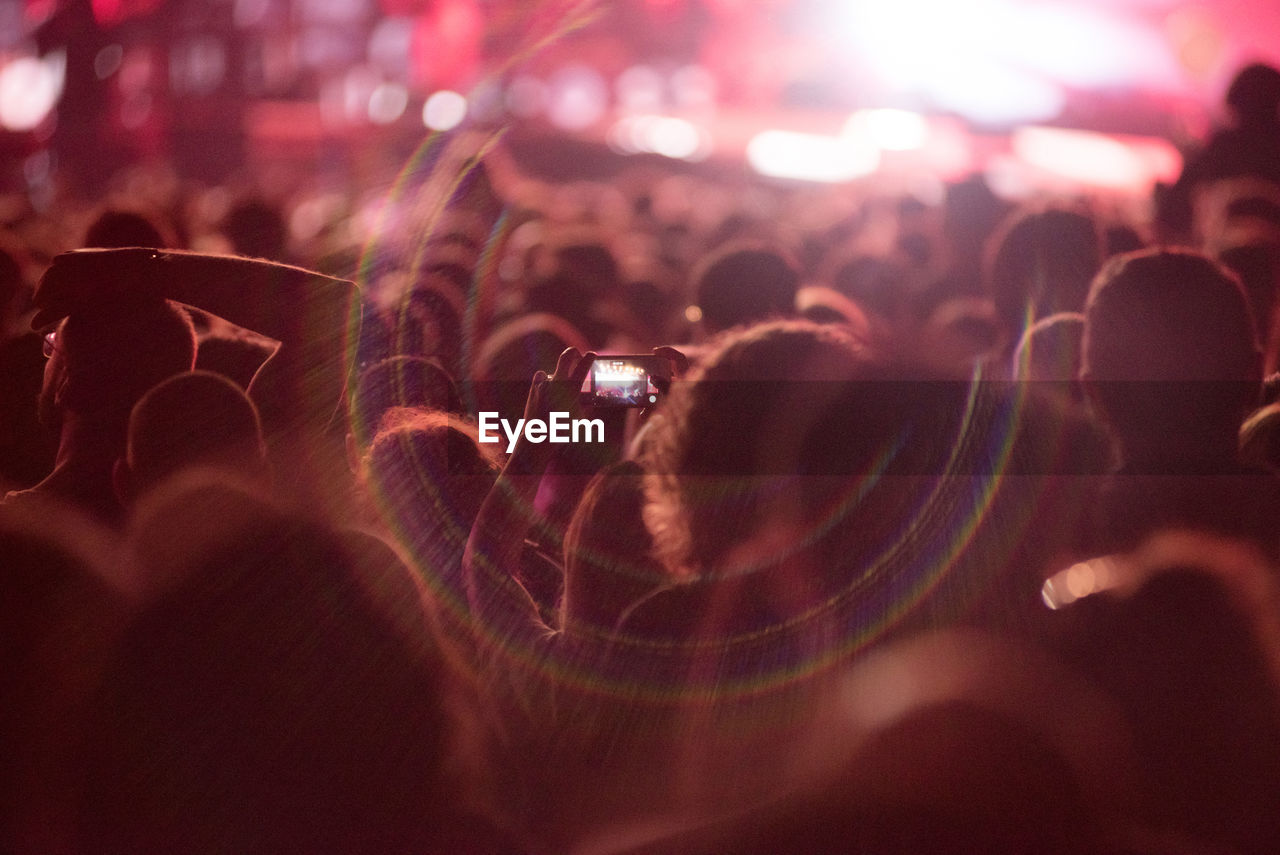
[623,381]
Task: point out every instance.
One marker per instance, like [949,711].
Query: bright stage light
[444,110]
[29,88]
[387,103]
[578,98]
[1097,160]
[810,157]
[888,130]
[999,61]
[668,136]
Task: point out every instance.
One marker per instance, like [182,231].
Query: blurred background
[1035,96]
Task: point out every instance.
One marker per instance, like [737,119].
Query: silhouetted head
[741,286]
[256,229]
[1042,264]
[1169,347]
[1254,94]
[102,362]
[263,699]
[114,229]
[193,419]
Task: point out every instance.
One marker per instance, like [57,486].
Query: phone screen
[622,381]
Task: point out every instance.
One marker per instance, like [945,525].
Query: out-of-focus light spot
[107,62]
[1096,159]
[693,314]
[989,93]
[1009,178]
[136,71]
[668,136]
[198,66]
[578,98]
[29,88]
[639,89]
[1196,39]
[1079,46]
[357,91]
[444,110]
[694,86]
[810,157]
[311,216]
[1079,581]
[387,103]
[390,43]
[889,130]
[526,96]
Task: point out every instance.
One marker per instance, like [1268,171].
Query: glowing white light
[387,103]
[1085,157]
[578,98]
[444,110]
[976,59]
[1088,47]
[668,136]
[890,130]
[810,157]
[990,93]
[674,138]
[29,88]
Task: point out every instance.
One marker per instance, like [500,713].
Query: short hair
[1168,315]
[1179,324]
[113,356]
[198,417]
[1042,264]
[745,285]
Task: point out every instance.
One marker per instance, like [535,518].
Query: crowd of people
[951,526]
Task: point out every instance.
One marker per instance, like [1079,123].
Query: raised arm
[313,317]
[497,539]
